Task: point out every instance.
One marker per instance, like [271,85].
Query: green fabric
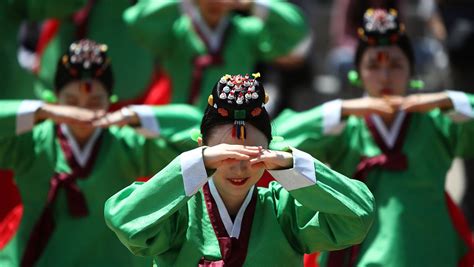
[17,82]
[132,65]
[157,219]
[35,156]
[164,29]
[413,227]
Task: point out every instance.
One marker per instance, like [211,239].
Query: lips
[386,91]
[238,181]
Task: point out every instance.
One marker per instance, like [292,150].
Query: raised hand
[385,107]
[122,117]
[215,156]
[272,160]
[68,114]
[426,102]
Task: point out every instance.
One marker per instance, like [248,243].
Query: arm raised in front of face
[318,208]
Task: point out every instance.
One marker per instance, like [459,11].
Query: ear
[199,140]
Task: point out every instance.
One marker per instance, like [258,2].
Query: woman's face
[84,94]
[237,177]
[384,71]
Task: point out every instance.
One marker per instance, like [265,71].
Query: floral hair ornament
[381,27]
[240,98]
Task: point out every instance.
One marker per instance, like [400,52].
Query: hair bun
[238,97]
[381,27]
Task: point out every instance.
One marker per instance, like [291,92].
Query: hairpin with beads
[239,98]
[381,27]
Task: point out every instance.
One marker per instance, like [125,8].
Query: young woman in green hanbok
[400,145]
[69,157]
[204,209]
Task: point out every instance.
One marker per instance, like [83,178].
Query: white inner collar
[213,37]
[81,155]
[389,136]
[232,228]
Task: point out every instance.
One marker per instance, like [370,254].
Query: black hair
[211,119]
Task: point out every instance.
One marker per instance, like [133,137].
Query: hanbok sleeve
[319,131]
[457,125]
[17,119]
[320,209]
[151,22]
[285,30]
[151,218]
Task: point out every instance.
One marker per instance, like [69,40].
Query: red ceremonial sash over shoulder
[233,250]
[76,201]
[391,159]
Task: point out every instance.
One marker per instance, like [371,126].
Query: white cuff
[193,171]
[302,48]
[332,119]
[462,107]
[260,8]
[149,125]
[25,116]
[302,174]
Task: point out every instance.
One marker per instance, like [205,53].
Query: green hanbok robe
[45,154]
[179,218]
[413,226]
[195,56]
[12,13]
[132,64]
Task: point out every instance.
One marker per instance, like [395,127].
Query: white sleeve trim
[462,107]
[260,9]
[302,174]
[25,116]
[332,118]
[303,47]
[149,125]
[193,171]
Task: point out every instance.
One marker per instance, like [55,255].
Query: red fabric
[77,205]
[158,92]
[265,180]
[11,208]
[233,250]
[460,223]
[49,29]
[311,260]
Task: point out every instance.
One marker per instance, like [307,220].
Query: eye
[71,101]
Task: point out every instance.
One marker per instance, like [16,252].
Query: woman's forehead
[77,88]
[222,134]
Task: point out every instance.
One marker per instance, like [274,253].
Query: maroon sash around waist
[391,159]
[77,205]
[233,250]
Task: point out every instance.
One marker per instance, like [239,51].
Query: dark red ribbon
[77,205]
[391,159]
[233,250]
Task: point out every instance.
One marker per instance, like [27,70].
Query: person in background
[71,156]
[400,145]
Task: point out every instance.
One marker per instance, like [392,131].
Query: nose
[241,167]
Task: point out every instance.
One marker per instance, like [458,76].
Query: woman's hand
[272,160]
[68,114]
[122,117]
[215,156]
[426,102]
[385,107]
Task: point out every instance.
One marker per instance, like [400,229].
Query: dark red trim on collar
[233,250]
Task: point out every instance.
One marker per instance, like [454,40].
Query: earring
[353,77]
[48,96]
[417,84]
[113,99]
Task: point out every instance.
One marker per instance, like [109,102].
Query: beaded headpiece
[381,27]
[85,60]
[238,98]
